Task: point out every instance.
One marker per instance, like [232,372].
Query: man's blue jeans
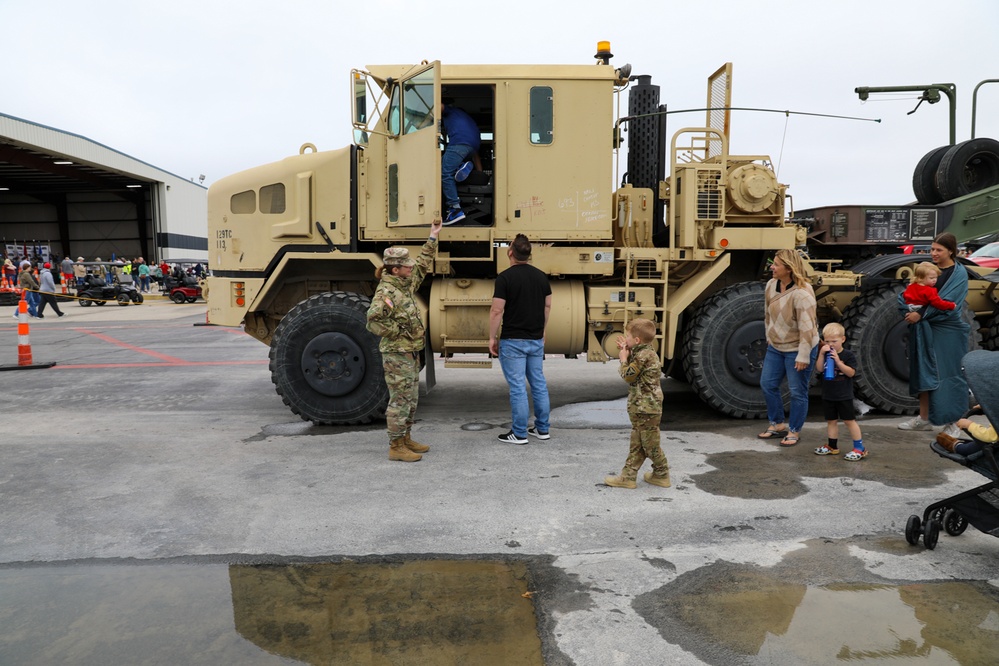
[520,360]
[778,366]
[454,157]
[33,298]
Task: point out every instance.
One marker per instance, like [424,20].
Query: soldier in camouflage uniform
[641,369]
[395,316]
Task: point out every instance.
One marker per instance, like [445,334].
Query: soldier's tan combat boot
[415,446]
[398,451]
[662,481]
[620,481]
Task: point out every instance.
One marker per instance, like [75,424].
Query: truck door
[413,164]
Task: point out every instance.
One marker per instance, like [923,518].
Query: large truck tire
[924,184]
[325,364]
[723,348]
[968,167]
[879,337]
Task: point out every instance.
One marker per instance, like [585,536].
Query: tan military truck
[293,245]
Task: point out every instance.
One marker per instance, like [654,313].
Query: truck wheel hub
[333,364]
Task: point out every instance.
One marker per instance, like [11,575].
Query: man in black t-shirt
[522,301]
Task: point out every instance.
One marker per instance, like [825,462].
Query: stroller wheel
[912,530]
[954,522]
[937,514]
[931,533]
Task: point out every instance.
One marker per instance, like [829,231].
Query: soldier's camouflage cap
[398,256]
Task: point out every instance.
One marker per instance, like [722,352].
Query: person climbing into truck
[462,137]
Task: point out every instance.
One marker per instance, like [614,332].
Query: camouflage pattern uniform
[395,316]
[642,372]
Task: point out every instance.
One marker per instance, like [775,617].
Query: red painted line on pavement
[163,357]
[185,364]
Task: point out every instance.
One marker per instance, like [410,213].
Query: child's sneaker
[462,173]
[826,451]
[855,455]
[661,481]
[454,215]
[620,482]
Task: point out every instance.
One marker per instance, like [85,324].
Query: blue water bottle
[830,369]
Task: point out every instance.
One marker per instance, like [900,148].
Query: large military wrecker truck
[293,245]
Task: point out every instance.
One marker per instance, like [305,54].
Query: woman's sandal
[855,455]
[772,433]
[826,451]
[790,439]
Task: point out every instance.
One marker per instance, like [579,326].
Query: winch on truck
[294,244]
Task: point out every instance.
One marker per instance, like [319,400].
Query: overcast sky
[213,87]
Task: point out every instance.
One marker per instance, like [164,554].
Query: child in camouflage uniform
[641,369]
[395,316]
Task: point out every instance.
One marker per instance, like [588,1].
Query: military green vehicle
[293,245]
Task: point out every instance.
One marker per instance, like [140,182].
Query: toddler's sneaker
[454,215]
[915,423]
[462,173]
[511,438]
[534,432]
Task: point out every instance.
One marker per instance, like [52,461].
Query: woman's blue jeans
[520,360]
[778,366]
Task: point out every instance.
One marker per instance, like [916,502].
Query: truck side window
[541,115]
[244,202]
[272,198]
[418,102]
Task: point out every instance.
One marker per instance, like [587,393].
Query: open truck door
[407,112]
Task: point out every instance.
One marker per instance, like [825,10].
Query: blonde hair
[643,329]
[833,329]
[924,269]
[796,264]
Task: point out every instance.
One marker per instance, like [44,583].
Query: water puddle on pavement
[747,616]
[414,612]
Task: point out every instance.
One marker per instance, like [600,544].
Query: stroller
[978,506]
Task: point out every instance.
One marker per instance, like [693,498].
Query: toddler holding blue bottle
[837,367]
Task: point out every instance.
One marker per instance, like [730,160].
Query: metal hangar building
[83,199]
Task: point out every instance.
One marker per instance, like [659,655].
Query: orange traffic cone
[24,360]
[23,344]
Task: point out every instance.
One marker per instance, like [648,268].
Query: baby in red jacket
[923,290]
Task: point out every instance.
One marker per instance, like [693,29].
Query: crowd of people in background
[42,281]
[69,273]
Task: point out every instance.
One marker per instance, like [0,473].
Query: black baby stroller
[978,506]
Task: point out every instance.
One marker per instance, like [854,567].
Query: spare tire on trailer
[724,345]
[924,184]
[325,364]
[968,167]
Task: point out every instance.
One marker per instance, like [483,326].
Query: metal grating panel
[719,102]
[709,194]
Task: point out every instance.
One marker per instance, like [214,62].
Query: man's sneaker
[915,423]
[534,432]
[511,438]
[454,215]
[462,173]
